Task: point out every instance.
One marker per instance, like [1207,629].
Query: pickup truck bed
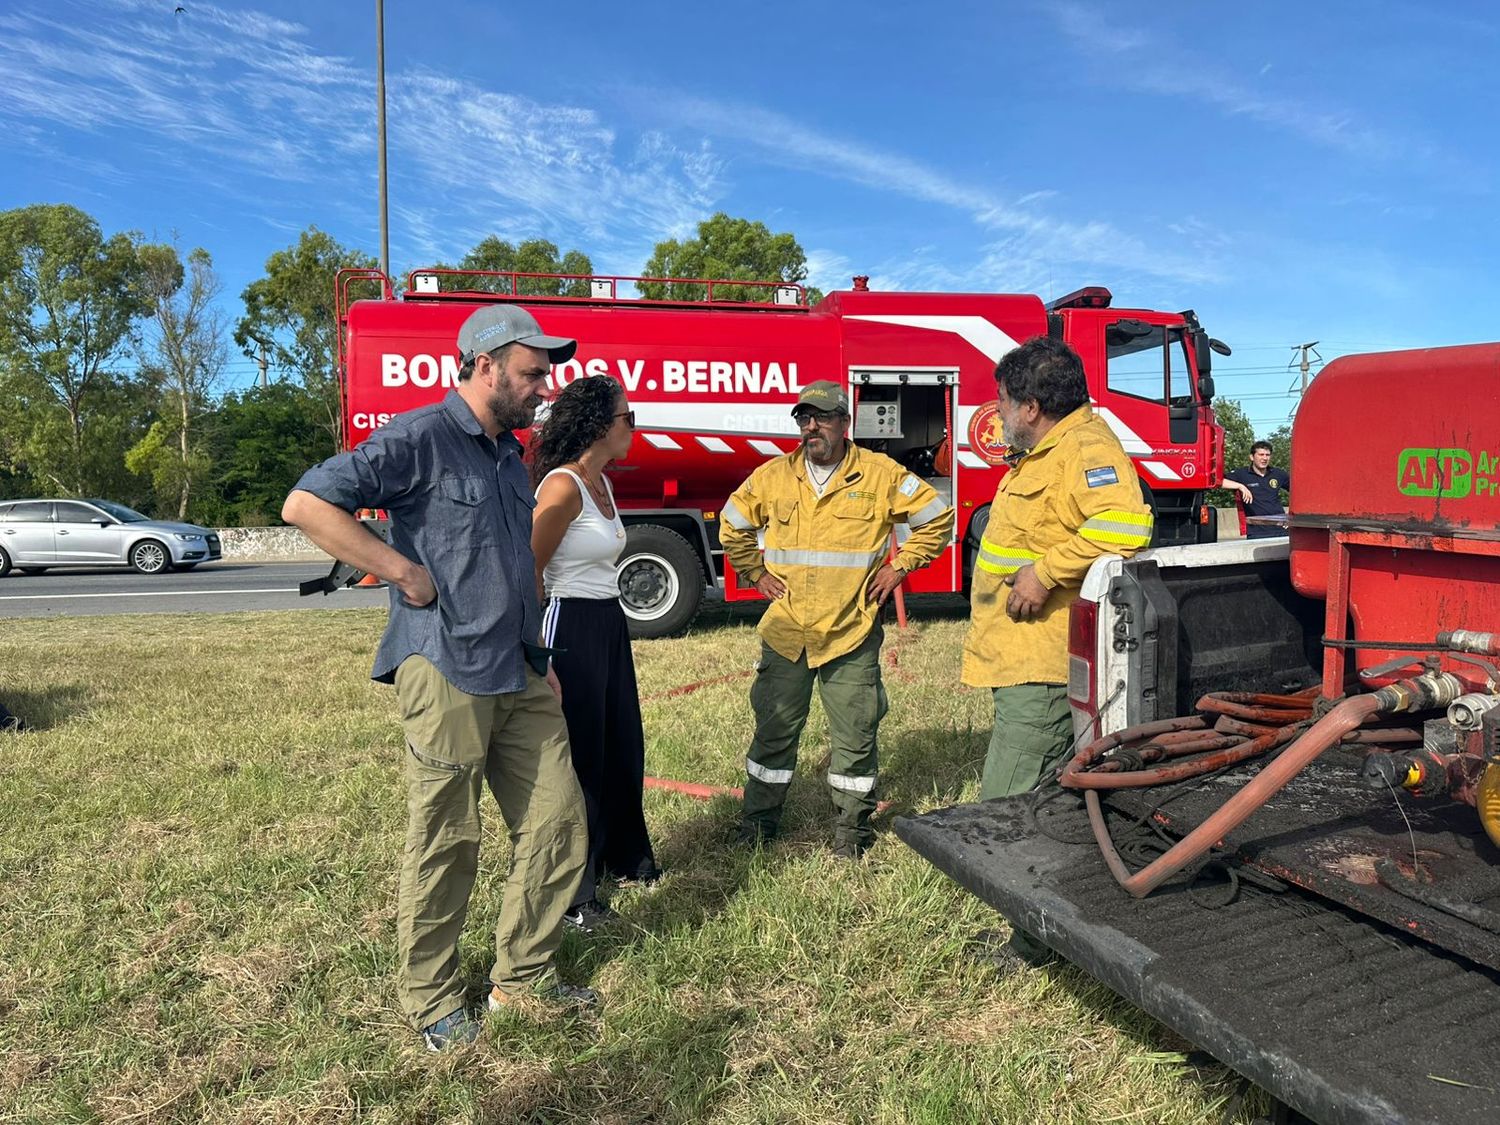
[1341,1017]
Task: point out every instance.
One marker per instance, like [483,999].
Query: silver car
[37,534]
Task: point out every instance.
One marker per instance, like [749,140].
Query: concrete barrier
[268,544]
[1229,523]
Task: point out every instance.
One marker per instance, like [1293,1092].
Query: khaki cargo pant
[1033,730]
[517,743]
[854,701]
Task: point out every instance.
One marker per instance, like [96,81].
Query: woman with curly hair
[577,536]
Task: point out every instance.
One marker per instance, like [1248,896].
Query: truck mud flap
[1342,1018]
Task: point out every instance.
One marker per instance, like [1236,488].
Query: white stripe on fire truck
[984,336]
[1161,471]
[972,460]
[769,448]
[715,445]
[661,441]
[1132,442]
[731,418]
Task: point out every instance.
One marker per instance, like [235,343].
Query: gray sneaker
[554,993]
[458,1029]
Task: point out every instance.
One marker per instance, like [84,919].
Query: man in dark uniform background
[1259,487]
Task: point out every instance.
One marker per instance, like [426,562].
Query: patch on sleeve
[910,485]
[1098,478]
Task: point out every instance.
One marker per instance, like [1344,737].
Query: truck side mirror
[1203,353]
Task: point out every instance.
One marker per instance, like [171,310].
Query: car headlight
[187,538]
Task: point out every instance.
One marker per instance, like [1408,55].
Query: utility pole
[385,236]
[1300,354]
[262,361]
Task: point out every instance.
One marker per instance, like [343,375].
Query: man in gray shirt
[478,701]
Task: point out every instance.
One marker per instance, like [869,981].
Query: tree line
[115,350]
[114,354]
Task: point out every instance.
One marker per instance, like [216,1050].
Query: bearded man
[826,513]
[478,700]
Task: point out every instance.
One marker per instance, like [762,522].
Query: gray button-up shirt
[460,504]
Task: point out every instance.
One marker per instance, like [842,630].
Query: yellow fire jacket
[1070,500]
[826,549]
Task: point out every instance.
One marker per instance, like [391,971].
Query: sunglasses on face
[819,417]
[629,416]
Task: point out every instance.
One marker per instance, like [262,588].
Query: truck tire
[661,581]
[977,523]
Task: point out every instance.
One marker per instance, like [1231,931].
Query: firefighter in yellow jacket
[826,512]
[1070,497]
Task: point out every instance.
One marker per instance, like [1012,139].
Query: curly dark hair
[579,416]
[1047,372]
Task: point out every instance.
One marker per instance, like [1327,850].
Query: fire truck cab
[712,378]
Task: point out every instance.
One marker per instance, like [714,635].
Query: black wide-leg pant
[603,709]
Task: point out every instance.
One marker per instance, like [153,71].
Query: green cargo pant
[518,744]
[854,700]
[1033,730]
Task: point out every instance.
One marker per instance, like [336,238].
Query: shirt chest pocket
[1028,506]
[465,511]
[781,528]
[853,525]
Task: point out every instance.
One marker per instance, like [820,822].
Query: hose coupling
[1467,711]
[1421,693]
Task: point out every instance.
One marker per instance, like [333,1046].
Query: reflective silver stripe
[734,517]
[928,513]
[770,777]
[851,784]
[847,560]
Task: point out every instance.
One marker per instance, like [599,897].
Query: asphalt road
[220,587]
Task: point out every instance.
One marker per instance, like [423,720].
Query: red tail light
[1083,641]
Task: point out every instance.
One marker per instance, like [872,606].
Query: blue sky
[1291,171]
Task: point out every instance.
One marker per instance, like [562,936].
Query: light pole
[385,234]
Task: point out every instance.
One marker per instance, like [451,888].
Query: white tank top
[583,566]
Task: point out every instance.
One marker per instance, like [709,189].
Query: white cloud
[1035,241]
[224,97]
[1136,56]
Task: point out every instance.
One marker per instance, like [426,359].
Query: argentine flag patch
[1098,478]
[910,485]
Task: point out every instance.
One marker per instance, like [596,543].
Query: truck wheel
[977,523]
[661,581]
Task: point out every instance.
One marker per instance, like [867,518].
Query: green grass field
[199,856]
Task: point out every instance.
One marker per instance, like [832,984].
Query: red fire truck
[712,378]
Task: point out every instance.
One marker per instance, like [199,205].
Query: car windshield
[119,511]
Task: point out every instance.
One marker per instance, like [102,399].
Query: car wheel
[150,557]
[31,569]
[661,581]
[4,563]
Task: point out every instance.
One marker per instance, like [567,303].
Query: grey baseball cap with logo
[494,326]
[825,394]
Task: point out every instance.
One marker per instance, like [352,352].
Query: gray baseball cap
[825,394]
[494,326]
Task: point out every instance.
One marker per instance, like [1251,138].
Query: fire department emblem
[986,437]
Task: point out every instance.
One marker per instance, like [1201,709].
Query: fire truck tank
[1395,502]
